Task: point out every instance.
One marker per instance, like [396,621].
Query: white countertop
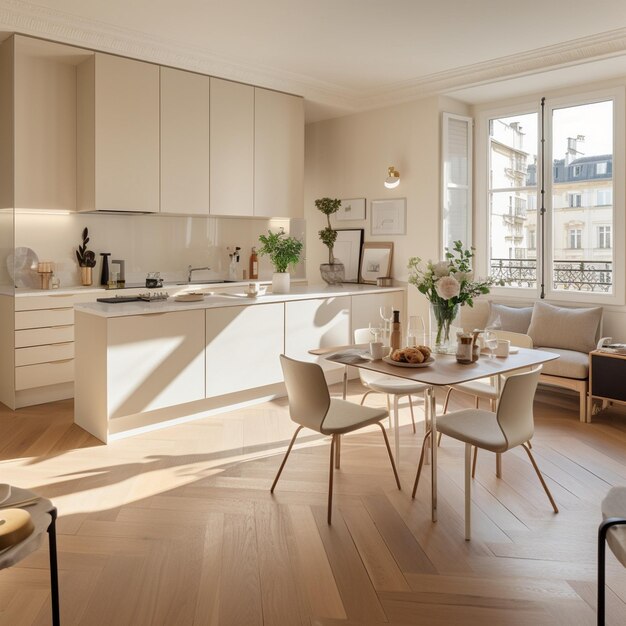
[303,292]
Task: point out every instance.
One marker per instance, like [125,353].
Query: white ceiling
[345,55]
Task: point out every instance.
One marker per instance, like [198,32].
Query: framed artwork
[351,209]
[375,260]
[389,217]
[347,249]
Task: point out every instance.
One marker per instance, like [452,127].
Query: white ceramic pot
[280,282]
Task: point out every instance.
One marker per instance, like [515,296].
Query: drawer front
[30,376]
[44,354]
[43,336]
[55,301]
[44,318]
[607,377]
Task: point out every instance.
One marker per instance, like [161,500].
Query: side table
[607,373]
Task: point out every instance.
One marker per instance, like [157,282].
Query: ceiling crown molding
[31,19]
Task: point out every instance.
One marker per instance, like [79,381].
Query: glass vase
[442,317]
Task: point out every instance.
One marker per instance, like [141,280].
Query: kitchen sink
[217,281]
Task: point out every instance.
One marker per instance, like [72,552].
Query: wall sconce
[393,178]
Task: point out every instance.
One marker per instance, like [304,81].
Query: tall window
[549,254]
[604,237]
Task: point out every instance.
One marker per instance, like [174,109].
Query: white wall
[348,157]
[148,243]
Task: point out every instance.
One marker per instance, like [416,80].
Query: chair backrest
[363,335]
[307,392]
[515,407]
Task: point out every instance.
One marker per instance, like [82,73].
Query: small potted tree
[332,272]
[86,260]
[283,251]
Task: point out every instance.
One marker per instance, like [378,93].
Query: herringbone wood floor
[153,530]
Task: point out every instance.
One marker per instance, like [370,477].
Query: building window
[575,238]
[578,135]
[604,236]
[575,200]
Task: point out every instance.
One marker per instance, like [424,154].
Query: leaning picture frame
[376,258]
[388,217]
[347,249]
[351,209]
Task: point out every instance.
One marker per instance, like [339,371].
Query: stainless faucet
[194,269]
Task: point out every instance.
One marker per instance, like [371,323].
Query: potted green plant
[86,260]
[283,251]
[332,272]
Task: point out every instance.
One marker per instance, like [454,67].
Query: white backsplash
[148,243]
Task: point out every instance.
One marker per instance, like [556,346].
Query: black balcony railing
[567,275]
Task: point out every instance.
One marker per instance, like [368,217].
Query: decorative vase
[86,277]
[280,282]
[333,273]
[442,317]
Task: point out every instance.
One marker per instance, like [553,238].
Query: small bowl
[255,294]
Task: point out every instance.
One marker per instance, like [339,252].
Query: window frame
[482,232]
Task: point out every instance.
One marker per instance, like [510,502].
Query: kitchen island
[146,365]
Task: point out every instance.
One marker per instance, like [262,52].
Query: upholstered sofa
[571,332]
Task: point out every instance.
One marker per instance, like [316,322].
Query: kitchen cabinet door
[243,345]
[184,142]
[318,323]
[118,135]
[366,309]
[232,148]
[278,154]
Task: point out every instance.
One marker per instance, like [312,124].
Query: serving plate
[429,361]
[22,267]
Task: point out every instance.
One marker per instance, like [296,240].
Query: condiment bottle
[464,347]
[396,334]
[254,265]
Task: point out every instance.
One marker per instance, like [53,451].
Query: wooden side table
[607,373]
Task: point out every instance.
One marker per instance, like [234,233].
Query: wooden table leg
[396,428]
[433,450]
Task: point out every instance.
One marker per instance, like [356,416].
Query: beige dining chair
[510,426]
[310,406]
[389,385]
[489,391]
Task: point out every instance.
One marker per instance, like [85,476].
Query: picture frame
[351,209]
[376,258]
[347,249]
[388,217]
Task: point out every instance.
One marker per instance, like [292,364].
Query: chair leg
[280,469]
[477,402]
[419,465]
[330,478]
[367,393]
[338,452]
[543,482]
[498,465]
[389,409]
[602,531]
[393,465]
[412,415]
[54,569]
[468,491]
[446,400]
[474,461]
[439,435]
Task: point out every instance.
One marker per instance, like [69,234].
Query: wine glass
[375,331]
[416,331]
[386,312]
[491,342]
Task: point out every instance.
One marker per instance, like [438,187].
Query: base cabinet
[243,345]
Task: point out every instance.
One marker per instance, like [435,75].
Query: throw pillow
[562,327]
[509,318]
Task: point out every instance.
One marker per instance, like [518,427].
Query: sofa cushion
[561,327]
[509,318]
[570,364]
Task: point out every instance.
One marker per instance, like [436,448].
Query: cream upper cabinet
[278,154]
[184,142]
[117,135]
[232,148]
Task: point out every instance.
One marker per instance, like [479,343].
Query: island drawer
[44,354]
[44,318]
[43,336]
[42,374]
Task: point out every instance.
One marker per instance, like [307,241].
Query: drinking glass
[491,342]
[375,331]
[416,331]
[386,312]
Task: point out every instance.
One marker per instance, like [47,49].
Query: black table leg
[602,531]
[54,569]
